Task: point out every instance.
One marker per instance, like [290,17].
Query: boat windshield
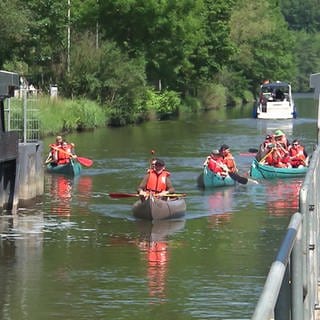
[275,91]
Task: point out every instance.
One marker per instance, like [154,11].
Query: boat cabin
[275,101]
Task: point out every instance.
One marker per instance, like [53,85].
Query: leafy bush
[213,96]
[169,103]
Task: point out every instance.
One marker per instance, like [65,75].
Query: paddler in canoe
[220,169]
[157,198]
[215,163]
[157,180]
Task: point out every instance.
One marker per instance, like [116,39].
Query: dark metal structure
[8,146]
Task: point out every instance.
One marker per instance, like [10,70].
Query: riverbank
[58,115]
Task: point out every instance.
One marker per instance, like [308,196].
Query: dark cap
[159,163]
[268,137]
[224,147]
[295,141]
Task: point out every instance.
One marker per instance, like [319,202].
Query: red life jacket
[157,183]
[215,165]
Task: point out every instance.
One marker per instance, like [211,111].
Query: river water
[77,254]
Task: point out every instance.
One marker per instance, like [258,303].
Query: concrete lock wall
[30,171]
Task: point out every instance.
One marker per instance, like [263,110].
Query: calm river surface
[77,254]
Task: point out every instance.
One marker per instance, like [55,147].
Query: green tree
[216,47]
[167,33]
[14,30]
[308,52]
[265,45]
[47,45]
[107,75]
[301,14]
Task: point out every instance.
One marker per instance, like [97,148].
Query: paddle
[264,158]
[129,195]
[233,175]
[238,178]
[84,161]
[49,158]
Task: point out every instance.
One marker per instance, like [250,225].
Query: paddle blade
[176,195]
[119,195]
[85,161]
[122,195]
[236,177]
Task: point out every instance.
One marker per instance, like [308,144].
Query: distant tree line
[134,57]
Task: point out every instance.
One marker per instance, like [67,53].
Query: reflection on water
[283,197]
[269,126]
[280,197]
[155,247]
[220,206]
[62,191]
[21,249]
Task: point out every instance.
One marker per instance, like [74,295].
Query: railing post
[297,259]
[24,116]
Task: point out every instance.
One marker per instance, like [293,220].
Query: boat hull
[158,209]
[271,105]
[73,168]
[260,171]
[209,179]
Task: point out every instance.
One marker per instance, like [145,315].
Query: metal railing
[291,288]
[23,116]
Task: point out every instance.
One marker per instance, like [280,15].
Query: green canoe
[73,168]
[209,179]
[262,171]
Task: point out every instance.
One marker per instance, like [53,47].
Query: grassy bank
[61,115]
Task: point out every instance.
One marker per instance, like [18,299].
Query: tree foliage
[302,14]
[265,45]
[14,30]
[119,49]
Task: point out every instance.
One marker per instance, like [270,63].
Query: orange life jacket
[228,160]
[53,151]
[277,159]
[297,152]
[283,142]
[297,156]
[63,157]
[157,183]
